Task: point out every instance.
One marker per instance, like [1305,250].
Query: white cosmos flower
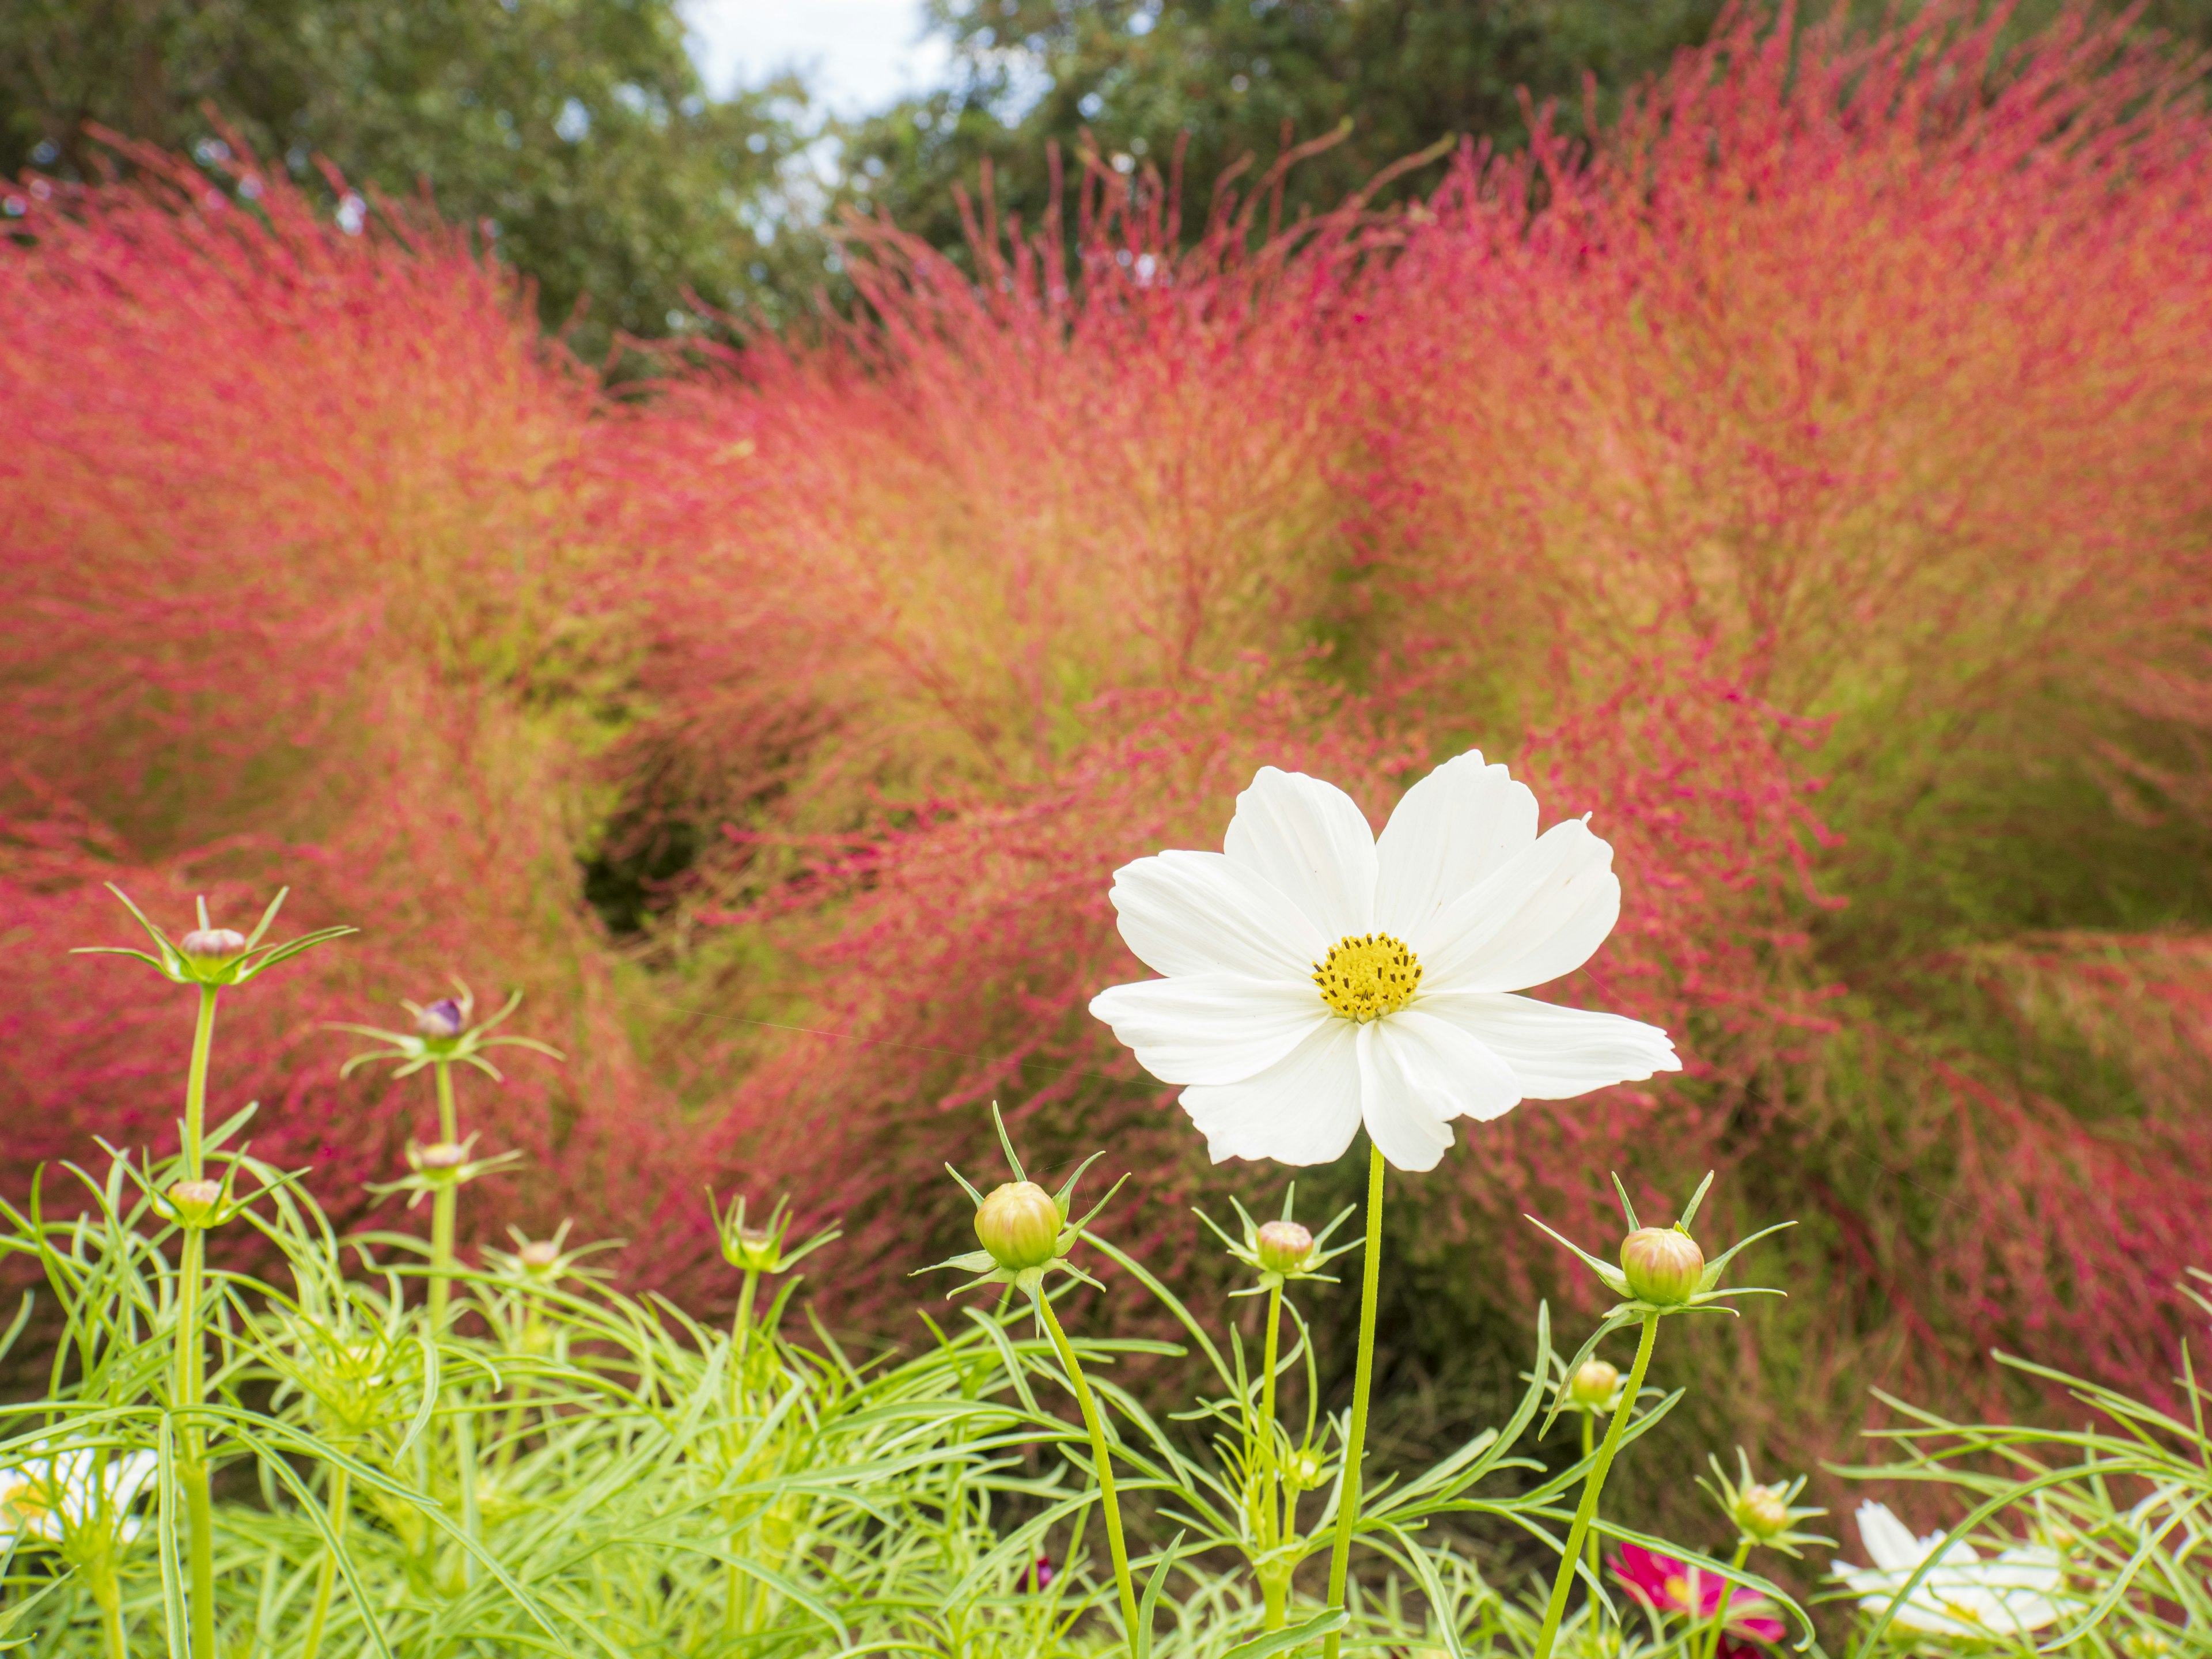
[1962,1595]
[55,1498]
[1319,978]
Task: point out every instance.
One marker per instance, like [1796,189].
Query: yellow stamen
[1368,976]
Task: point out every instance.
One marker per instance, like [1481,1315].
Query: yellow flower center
[1367,976]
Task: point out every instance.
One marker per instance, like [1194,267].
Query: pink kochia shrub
[1810,482]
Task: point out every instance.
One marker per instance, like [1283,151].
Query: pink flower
[1668,1586]
[1041,1573]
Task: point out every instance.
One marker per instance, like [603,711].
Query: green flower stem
[1274,1589]
[1107,1500]
[741,1328]
[1347,1502]
[196,1085]
[108,1595]
[1728,1595]
[443,1205]
[738,1594]
[1590,1436]
[192,1356]
[1592,1485]
[326,1581]
[192,1463]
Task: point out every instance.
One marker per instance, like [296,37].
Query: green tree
[574,134]
[1229,78]
[1238,77]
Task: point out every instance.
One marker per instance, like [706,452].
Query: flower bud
[212,944]
[1302,1470]
[442,1155]
[441,1019]
[1041,1573]
[194,1202]
[1284,1247]
[1019,1225]
[539,1255]
[1663,1265]
[1762,1513]
[1593,1384]
[756,1249]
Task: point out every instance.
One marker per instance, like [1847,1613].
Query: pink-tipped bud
[1019,1224]
[1284,1247]
[539,1255]
[212,944]
[1593,1384]
[442,1155]
[1761,1512]
[442,1018]
[1663,1265]
[194,1202]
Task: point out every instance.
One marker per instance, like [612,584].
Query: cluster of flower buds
[1763,1514]
[1662,1271]
[1024,1231]
[445,1032]
[1282,1251]
[759,1249]
[208,955]
[439,1165]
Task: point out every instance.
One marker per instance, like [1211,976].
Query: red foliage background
[1810,482]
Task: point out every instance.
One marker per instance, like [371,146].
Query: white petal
[1196,913]
[1418,1073]
[1304,1109]
[1555,1053]
[1455,829]
[1210,1028]
[1888,1539]
[1540,916]
[1308,839]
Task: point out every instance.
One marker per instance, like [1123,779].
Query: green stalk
[192,1356]
[1106,1499]
[1347,1502]
[326,1581]
[196,1085]
[1272,1588]
[738,1595]
[443,1204]
[1592,1485]
[1728,1595]
[1589,1435]
[108,1594]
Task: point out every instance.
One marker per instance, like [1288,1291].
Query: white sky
[858,56]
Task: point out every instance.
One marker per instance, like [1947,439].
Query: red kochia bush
[305,588]
[1808,482]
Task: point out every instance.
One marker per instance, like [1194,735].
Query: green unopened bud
[539,1257]
[194,1202]
[1302,1470]
[754,1249]
[1284,1247]
[1761,1513]
[1019,1225]
[1593,1384]
[1663,1265]
[212,944]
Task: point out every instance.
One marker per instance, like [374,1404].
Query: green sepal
[1713,1268]
[1615,1280]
